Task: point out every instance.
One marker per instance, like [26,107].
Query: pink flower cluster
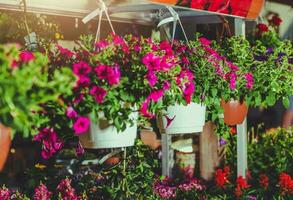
[66,190]
[4,194]
[249,80]
[24,57]
[50,142]
[42,193]
[167,189]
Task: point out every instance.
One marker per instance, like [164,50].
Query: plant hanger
[99,11]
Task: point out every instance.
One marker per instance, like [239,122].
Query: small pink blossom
[249,80]
[166,85]
[64,51]
[70,112]
[66,190]
[81,69]
[51,142]
[137,48]
[26,56]
[231,77]
[151,78]
[188,91]
[79,98]
[83,81]
[81,125]
[79,149]
[204,41]
[5,194]
[98,93]
[233,67]
[156,95]
[14,64]
[42,193]
[166,65]
[144,109]
[114,75]
[166,46]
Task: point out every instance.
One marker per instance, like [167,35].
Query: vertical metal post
[167,155]
[241,128]
[242,149]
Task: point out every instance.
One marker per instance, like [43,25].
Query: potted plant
[24,86]
[239,78]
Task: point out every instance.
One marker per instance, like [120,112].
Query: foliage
[25,85]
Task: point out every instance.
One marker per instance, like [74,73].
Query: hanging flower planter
[5,141]
[102,135]
[182,119]
[234,112]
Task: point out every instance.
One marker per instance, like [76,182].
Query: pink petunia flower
[70,112]
[81,69]
[249,80]
[26,56]
[98,93]
[64,51]
[113,75]
[152,78]
[204,41]
[83,81]
[81,125]
[151,61]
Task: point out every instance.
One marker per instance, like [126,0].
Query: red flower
[286,184]
[262,28]
[241,184]
[275,21]
[233,130]
[264,181]
[221,177]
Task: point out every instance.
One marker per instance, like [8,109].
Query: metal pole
[241,128]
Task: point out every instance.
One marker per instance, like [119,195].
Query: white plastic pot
[102,136]
[187,119]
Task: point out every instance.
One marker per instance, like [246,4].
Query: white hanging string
[99,11]
[174,18]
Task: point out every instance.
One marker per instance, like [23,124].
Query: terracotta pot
[149,138]
[234,112]
[5,141]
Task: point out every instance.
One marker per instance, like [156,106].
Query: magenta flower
[113,75]
[232,77]
[42,193]
[26,56]
[81,125]
[152,78]
[14,64]
[101,44]
[188,91]
[64,51]
[79,98]
[204,41]
[5,194]
[144,109]
[81,69]
[249,80]
[137,48]
[156,95]
[102,71]
[151,61]
[83,81]
[165,65]
[166,85]
[66,190]
[233,67]
[166,46]
[79,149]
[51,142]
[98,93]
[70,112]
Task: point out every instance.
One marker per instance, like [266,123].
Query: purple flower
[251,197]
[51,142]
[152,78]
[70,112]
[269,51]
[98,93]
[260,58]
[280,56]
[81,125]
[79,149]
[81,69]
[42,193]
[26,56]
[222,141]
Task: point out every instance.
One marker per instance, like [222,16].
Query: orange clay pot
[234,112]
[5,141]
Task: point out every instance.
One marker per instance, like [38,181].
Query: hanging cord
[174,18]
[225,27]
[99,11]
[25,18]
